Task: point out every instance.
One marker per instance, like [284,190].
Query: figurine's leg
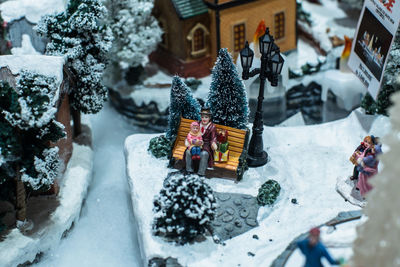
[203,163]
[355,174]
[188,158]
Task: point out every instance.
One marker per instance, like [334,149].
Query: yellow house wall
[251,14]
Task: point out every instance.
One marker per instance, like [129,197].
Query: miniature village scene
[199,133]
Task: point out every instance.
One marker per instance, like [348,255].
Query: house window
[239,37]
[198,40]
[197,36]
[279,25]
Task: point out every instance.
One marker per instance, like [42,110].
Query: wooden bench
[233,168]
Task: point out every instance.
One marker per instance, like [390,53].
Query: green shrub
[268,193]
[160,146]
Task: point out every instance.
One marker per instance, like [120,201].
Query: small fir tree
[184,208]
[27,125]
[227,98]
[377,242]
[182,104]
[78,35]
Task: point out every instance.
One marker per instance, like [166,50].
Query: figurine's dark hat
[205,111]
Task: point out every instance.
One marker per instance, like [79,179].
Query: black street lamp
[271,67]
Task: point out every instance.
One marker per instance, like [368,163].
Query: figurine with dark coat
[208,131]
[314,250]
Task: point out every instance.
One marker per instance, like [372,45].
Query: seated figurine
[221,154]
[194,140]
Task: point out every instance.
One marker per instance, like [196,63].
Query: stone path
[236,214]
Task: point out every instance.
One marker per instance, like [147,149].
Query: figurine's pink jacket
[190,137]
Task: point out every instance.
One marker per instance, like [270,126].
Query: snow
[33,10]
[104,234]
[325,16]
[346,86]
[45,65]
[18,248]
[26,47]
[305,160]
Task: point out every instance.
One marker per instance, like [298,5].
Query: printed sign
[375,33]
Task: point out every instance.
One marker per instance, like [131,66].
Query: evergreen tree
[185,207]
[227,98]
[27,125]
[136,34]
[377,242]
[390,83]
[78,35]
[182,104]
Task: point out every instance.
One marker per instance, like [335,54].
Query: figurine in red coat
[208,131]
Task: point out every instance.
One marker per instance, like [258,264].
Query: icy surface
[33,10]
[346,86]
[26,48]
[104,234]
[17,248]
[305,160]
[45,65]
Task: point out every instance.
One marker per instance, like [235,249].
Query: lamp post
[271,67]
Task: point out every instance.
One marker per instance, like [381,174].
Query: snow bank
[45,65]
[17,248]
[33,10]
[305,160]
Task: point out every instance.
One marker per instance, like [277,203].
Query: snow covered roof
[189,8]
[32,10]
[46,65]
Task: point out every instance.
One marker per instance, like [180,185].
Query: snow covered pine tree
[136,35]
[227,97]
[78,35]
[184,208]
[182,103]
[27,125]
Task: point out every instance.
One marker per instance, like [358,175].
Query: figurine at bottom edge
[314,250]
[194,140]
[208,133]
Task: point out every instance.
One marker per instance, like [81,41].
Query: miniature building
[194,30]
[10,66]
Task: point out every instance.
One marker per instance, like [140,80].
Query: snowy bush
[268,193]
[227,98]
[136,32]
[27,126]
[182,104]
[184,208]
[78,35]
[160,146]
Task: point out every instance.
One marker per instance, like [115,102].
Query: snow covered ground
[305,160]
[104,234]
